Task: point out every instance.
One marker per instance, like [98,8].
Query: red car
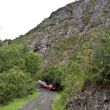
[51,87]
[44,85]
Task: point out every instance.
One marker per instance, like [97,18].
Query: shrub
[10,56]
[53,74]
[101,57]
[14,84]
[32,62]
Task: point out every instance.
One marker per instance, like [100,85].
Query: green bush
[101,58]
[53,74]
[18,55]
[14,84]
[73,81]
[32,62]
[12,55]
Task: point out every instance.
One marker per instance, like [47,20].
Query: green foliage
[105,12]
[74,80]
[101,57]
[12,55]
[73,84]
[47,22]
[53,74]
[32,62]
[18,55]
[14,84]
[0,43]
[16,67]
[58,103]
[86,19]
[93,2]
[19,103]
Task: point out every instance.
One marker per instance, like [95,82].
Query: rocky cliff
[80,17]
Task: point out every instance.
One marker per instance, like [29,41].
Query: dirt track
[42,102]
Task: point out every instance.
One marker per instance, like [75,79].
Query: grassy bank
[57,105]
[18,103]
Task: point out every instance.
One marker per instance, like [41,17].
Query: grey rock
[91,99]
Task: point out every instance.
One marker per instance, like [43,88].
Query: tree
[10,56]
[32,62]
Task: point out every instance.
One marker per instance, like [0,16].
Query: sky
[17,17]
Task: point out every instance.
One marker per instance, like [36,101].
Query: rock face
[92,99]
[79,17]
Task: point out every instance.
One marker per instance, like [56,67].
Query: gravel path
[42,102]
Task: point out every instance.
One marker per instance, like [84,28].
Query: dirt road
[42,102]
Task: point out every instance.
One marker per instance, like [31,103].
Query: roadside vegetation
[58,103]
[17,68]
[19,103]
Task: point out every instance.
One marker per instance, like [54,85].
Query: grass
[19,103]
[58,105]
